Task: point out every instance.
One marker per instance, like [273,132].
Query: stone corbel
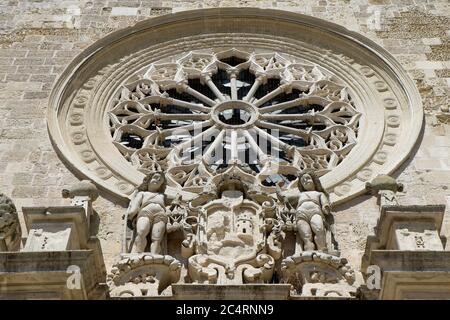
[385,188]
[443,116]
[82,195]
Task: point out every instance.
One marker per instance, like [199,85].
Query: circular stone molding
[350,104]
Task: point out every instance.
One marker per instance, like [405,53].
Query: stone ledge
[416,261]
[44,275]
[231,292]
[428,285]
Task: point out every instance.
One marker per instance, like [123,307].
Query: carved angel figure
[147,213]
[310,206]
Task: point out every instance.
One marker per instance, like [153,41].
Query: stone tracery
[217,107]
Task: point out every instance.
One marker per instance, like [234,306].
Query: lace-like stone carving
[228,106]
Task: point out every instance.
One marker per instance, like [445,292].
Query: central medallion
[235,114]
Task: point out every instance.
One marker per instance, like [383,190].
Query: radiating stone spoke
[296,132]
[254,146]
[233,86]
[187,128]
[213,88]
[213,146]
[182,116]
[299,102]
[199,96]
[196,139]
[277,142]
[189,105]
[253,89]
[269,96]
[293,116]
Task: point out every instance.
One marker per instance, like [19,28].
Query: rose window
[224,107]
[201,93]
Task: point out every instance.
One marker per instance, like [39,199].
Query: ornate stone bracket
[231,234]
[82,194]
[385,188]
[143,275]
[443,115]
[317,274]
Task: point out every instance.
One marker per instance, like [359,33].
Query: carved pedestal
[56,228]
[317,274]
[143,275]
[60,260]
[408,251]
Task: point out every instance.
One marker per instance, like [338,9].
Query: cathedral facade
[279,150]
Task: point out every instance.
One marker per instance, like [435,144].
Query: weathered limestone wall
[39,38]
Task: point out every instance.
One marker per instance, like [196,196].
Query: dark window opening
[202,88]
[132,140]
[182,96]
[222,81]
[244,83]
[264,89]
[233,61]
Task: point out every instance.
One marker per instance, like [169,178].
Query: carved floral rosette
[143,275]
[319,274]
